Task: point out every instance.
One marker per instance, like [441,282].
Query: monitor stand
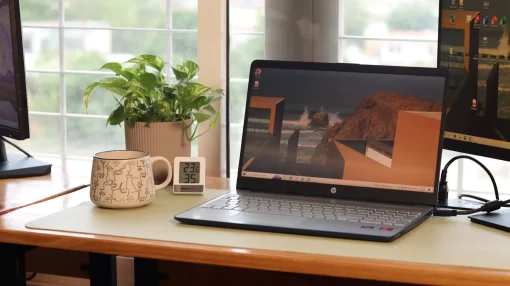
[20,165]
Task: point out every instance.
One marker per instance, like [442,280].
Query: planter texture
[165,139]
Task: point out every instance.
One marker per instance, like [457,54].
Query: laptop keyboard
[316,210]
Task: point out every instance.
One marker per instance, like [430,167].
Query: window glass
[93,33]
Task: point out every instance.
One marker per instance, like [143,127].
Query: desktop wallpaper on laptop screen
[8,99]
[373,130]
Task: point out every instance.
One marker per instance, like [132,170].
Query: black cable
[16,146]
[473,197]
[31,276]
[488,206]
[445,172]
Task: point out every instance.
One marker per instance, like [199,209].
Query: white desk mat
[438,240]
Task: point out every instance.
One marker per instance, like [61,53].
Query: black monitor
[13,96]
[478,100]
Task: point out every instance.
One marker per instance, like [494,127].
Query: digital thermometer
[189,175]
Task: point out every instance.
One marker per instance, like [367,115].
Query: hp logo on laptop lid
[333,190]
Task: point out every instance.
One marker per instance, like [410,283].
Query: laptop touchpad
[264,219]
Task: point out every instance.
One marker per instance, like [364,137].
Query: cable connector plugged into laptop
[444,212]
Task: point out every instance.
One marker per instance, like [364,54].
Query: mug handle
[170,173]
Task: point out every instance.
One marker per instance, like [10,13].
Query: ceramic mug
[124,179]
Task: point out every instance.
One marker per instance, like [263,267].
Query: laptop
[335,150]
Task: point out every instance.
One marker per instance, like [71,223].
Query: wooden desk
[15,194]
[12,230]
[64,179]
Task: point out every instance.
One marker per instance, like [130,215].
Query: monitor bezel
[19,68]
[342,192]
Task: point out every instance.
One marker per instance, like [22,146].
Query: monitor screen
[343,128]
[475,48]
[8,95]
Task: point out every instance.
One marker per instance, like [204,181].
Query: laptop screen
[343,128]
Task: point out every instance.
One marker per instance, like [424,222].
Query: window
[389,32]
[383,32]
[246,44]
[66,41]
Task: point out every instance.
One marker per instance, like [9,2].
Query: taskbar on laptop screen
[477,140]
[339,182]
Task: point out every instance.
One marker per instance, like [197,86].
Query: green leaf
[200,102]
[136,86]
[134,71]
[113,82]
[88,92]
[127,75]
[215,121]
[150,119]
[149,60]
[191,69]
[179,75]
[117,116]
[213,98]
[169,92]
[114,67]
[148,80]
[132,118]
[201,117]
[154,94]
[210,109]
[198,89]
[117,69]
[140,68]
[218,93]
[115,90]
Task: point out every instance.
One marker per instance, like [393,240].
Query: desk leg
[146,272]
[102,269]
[12,264]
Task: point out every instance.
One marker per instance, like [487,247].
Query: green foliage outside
[414,16]
[356,17]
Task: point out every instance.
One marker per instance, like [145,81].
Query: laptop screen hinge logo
[333,190]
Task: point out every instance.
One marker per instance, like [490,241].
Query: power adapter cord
[443,183]
[461,196]
[488,206]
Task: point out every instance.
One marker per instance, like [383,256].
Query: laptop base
[217,213]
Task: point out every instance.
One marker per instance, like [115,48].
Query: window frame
[62,72]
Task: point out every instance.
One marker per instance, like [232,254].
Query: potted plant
[159,118]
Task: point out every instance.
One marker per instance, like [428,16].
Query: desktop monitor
[13,96]
[474,46]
